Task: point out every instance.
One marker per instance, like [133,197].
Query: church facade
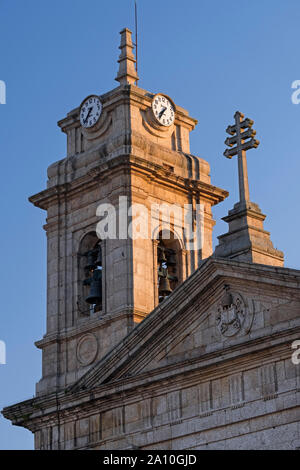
[154,342]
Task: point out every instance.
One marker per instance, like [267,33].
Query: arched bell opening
[90,275]
[168,264]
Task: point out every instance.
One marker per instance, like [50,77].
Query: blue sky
[211,57]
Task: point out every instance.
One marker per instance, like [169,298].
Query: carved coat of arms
[233,315]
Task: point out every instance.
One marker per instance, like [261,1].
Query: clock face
[90,111]
[163,110]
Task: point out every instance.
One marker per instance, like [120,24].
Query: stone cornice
[88,326]
[49,196]
[210,366]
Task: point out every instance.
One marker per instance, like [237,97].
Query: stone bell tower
[126,148]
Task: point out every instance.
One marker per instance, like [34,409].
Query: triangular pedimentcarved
[221,306]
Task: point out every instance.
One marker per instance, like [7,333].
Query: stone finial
[127,74]
[246,239]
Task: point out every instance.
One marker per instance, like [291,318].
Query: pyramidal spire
[127,74]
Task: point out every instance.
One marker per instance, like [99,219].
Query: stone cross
[242,140]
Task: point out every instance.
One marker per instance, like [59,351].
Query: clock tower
[117,210]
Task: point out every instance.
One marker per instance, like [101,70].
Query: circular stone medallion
[87,349]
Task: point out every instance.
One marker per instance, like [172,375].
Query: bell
[172,259]
[95,296]
[90,260]
[99,257]
[161,255]
[164,286]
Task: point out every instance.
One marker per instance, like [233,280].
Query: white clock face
[163,110]
[90,111]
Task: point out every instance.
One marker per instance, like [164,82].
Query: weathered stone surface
[246,239]
[235,393]
[126,156]
[207,368]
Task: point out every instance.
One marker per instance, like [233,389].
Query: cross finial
[127,74]
[243,139]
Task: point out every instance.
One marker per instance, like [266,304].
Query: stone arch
[89,268]
[178,234]
[169,262]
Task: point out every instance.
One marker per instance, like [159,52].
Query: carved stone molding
[154,128]
[99,129]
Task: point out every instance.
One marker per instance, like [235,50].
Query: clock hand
[162,112]
[90,109]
